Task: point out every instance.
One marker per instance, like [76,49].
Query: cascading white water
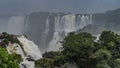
[26,25]
[84,21]
[90,19]
[30,48]
[54,43]
[45,34]
[48,29]
[15,48]
[97,37]
[64,26]
[30,51]
[69,23]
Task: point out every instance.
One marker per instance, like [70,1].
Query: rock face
[47,29]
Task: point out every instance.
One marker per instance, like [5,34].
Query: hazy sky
[75,6]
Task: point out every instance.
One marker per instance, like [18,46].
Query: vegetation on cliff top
[8,60]
[81,49]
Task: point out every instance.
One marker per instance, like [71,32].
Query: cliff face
[47,29]
[43,25]
[109,20]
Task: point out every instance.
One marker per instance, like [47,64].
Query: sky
[74,6]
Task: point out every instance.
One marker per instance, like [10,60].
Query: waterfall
[18,49]
[84,21]
[54,43]
[47,29]
[90,19]
[69,23]
[65,25]
[45,33]
[30,48]
[31,51]
[26,23]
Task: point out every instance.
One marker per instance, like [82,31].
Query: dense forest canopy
[82,50]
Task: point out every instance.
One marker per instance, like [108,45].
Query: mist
[21,7]
[9,8]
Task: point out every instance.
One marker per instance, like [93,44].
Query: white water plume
[45,34]
[28,50]
[65,25]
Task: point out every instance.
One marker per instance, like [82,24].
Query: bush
[44,62]
[7,60]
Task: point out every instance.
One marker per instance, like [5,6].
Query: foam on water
[30,51]
[30,48]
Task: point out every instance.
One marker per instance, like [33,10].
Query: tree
[7,60]
[51,59]
[44,62]
[111,41]
[78,47]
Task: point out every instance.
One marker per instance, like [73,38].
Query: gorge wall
[48,29]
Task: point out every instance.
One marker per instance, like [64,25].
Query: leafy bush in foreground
[9,60]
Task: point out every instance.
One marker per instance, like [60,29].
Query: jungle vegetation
[85,52]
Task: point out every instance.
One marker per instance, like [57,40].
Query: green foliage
[80,48]
[103,64]
[111,41]
[8,38]
[44,62]
[51,59]
[117,63]
[4,43]
[51,54]
[17,57]
[7,60]
[101,54]
[59,61]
